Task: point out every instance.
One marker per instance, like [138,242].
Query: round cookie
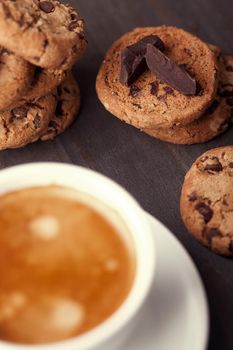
[15,76]
[206,202]
[44,82]
[68,105]
[48,34]
[148,102]
[214,121]
[26,123]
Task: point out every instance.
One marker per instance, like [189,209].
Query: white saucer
[175,316]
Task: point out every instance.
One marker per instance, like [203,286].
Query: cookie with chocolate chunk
[68,105]
[153,100]
[214,121]
[206,202]
[26,123]
[48,34]
[16,75]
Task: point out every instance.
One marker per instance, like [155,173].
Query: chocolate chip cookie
[26,123]
[15,76]
[206,202]
[68,105]
[44,82]
[48,34]
[214,121]
[150,102]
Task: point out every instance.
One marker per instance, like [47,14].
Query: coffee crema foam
[64,266]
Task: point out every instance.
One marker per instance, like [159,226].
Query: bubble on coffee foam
[45,227]
[12,303]
[111,265]
[67,315]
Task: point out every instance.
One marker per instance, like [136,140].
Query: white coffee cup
[111,333]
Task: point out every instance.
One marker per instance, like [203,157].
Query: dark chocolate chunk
[215,167]
[154,88]
[205,211]
[133,62]
[134,90]
[229,101]
[210,233]
[19,112]
[192,197]
[212,107]
[46,6]
[169,72]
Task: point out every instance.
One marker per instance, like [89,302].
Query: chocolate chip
[231,247]
[46,6]
[226,93]
[199,89]
[73,25]
[210,233]
[169,72]
[203,159]
[37,121]
[231,165]
[74,16]
[66,90]
[2,51]
[59,109]
[229,101]
[134,90]
[19,112]
[53,125]
[168,90]
[133,62]
[229,69]
[205,211]
[212,107]
[193,197]
[81,36]
[215,167]
[154,88]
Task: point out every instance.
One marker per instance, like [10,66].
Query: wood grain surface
[149,169]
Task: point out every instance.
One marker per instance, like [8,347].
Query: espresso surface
[64,267]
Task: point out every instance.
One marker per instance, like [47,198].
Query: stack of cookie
[169,84]
[39,98]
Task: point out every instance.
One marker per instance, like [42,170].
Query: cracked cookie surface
[206,202]
[214,121]
[48,34]
[67,108]
[148,102]
[15,76]
[26,123]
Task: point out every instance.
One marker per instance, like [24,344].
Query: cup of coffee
[77,259]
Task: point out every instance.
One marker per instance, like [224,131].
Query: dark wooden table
[151,170]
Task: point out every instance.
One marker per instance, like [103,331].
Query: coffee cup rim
[46,173]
